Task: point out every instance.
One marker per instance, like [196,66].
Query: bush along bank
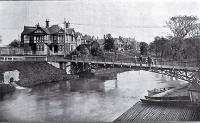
[6,88]
[34,73]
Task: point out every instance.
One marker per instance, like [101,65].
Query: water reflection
[88,99]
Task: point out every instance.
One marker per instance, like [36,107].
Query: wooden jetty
[146,112]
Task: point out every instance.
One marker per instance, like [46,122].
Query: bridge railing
[23,58]
[192,63]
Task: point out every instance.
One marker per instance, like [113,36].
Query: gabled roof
[28,29]
[46,30]
[70,31]
[54,29]
[100,41]
[51,30]
[77,34]
[118,41]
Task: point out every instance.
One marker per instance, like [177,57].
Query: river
[87,99]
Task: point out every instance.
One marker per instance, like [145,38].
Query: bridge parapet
[193,63]
[23,58]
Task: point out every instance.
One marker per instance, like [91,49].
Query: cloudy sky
[142,19]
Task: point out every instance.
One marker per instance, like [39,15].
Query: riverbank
[34,73]
[6,88]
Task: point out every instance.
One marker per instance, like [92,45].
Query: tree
[15,43]
[83,49]
[108,42]
[182,26]
[143,48]
[159,46]
[95,49]
[191,48]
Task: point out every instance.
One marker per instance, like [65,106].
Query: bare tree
[182,26]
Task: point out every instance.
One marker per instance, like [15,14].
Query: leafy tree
[108,42]
[182,26]
[191,48]
[95,49]
[143,48]
[83,49]
[159,46]
[95,44]
[15,43]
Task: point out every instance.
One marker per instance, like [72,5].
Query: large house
[119,44]
[123,44]
[51,40]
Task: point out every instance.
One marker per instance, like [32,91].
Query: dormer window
[38,31]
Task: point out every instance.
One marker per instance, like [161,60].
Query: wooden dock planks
[147,112]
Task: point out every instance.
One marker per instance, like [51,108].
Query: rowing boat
[150,101]
[169,98]
[157,91]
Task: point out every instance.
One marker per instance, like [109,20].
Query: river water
[87,99]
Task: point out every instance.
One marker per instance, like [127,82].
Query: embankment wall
[33,73]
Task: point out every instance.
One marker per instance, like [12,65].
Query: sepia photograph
[99,60]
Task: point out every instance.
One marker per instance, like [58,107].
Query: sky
[139,19]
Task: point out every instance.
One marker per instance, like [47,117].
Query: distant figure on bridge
[140,60]
[135,59]
[149,61]
[155,61]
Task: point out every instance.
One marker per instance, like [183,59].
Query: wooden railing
[23,58]
[193,63]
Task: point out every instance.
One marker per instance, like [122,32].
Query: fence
[192,63]
[9,51]
[23,58]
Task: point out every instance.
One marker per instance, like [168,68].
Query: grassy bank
[33,73]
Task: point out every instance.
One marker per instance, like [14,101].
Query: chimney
[47,23]
[67,24]
[37,25]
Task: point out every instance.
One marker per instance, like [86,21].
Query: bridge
[184,70]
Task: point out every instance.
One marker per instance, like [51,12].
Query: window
[71,38]
[61,47]
[72,48]
[38,31]
[61,39]
[26,39]
[40,47]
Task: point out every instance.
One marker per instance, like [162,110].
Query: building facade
[49,40]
